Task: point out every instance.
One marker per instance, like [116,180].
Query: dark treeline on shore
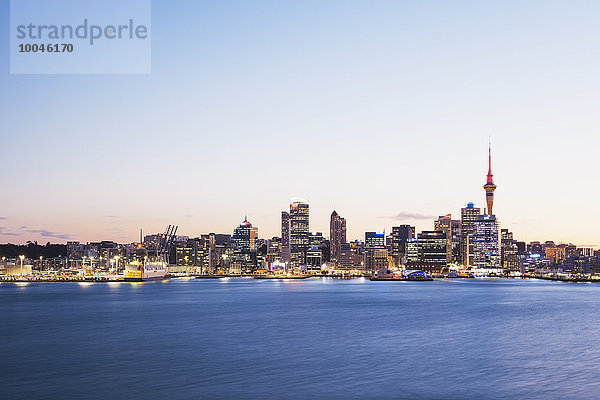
[33,250]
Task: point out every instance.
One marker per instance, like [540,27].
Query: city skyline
[387,123]
[403,218]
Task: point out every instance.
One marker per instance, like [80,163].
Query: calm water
[304,339]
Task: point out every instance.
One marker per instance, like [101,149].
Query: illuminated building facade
[285,237]
[487,242]
[375,258]
[299,232]
[245,236]
[374,239]
[489,185]
[337,236]
[432,248]
[314,260]
[400,236]
[452,230]
[468,218]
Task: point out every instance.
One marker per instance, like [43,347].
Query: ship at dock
[151,265]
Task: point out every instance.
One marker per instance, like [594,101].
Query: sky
[381,109]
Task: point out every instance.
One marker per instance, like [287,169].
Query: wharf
[565,279]
[55,280]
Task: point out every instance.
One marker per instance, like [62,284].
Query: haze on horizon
[381,109]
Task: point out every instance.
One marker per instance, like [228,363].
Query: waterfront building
[285,237]
[579,264]
[337,236]
[487,243]
[451,229]
[244,239]
[400,236]
[468,218]
[508,250]
[185,259]
[534,263]
[273,250]
[412,251]
[375,258]
[244,236]
[299,232]
[346,258]
[314,260]
[432,249]
[18,268]
[75,250]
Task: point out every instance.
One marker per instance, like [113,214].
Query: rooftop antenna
[489,154]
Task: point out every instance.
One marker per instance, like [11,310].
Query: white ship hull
[153,271]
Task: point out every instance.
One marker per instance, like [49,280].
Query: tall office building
[444,224]
[337,236]
[285,237]
[487,242]
[489,185]
[244,236]
[432,248]
[400,236]
[314,259]
[412,250]
[468,217]
[299,232]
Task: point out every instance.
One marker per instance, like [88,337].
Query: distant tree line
[33,250]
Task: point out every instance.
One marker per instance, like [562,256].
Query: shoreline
[298,277]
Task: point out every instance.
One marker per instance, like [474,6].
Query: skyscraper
[400,236]
[244,236]
[243,258]
[432,247]
[489,185]
[487,242]
[285,237]
[299,232]
[337,236]
[444,224]
[468,216]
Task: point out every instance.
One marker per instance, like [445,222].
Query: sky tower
[489,184]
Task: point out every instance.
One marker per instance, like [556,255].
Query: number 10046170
[45,48]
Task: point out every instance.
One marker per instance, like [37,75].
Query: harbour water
[301,339]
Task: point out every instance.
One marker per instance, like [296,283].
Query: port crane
[166,240]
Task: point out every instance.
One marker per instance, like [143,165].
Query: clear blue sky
[380,108]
